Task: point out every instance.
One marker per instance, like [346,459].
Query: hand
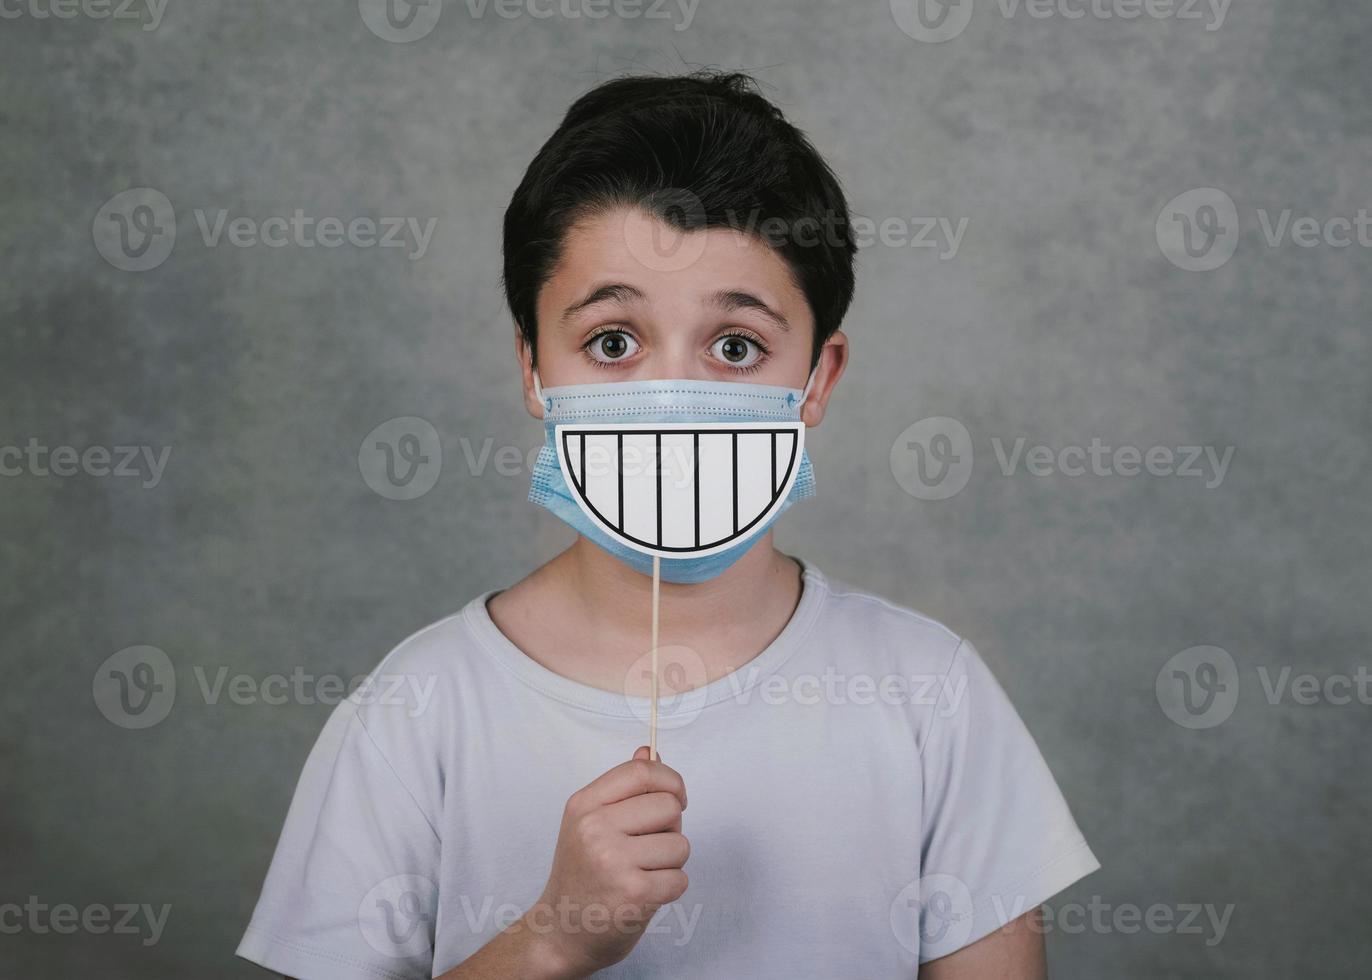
[619,856]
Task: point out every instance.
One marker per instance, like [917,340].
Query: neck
[588,616]
[620,599]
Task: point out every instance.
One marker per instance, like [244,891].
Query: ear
[833,358]
[526,369]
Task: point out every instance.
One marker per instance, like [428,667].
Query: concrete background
[1059,319]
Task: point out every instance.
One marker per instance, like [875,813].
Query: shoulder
[437,647]
[390,734]
[411,696]
[875,628]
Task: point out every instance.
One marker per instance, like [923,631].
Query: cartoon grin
[680,489]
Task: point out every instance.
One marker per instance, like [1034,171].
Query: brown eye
[737,351]
[611,346]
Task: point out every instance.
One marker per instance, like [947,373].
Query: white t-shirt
[863,798]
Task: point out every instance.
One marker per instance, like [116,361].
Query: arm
[1013,952]
[516,953]
[618,859]
[620,851]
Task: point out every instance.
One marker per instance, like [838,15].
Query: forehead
[632,246]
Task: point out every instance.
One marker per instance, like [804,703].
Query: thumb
[642,752]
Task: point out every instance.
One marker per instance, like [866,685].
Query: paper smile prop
[680,489]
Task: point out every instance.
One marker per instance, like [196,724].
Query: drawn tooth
[600,481]
[783,448]
[715,481]
[755,490]
[639,467]
[678,483]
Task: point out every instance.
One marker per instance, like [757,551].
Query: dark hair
[698,150]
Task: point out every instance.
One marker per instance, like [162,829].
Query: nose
[673,357]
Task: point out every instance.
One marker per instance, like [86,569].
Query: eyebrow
[731,300]
[617,291]
[727,300]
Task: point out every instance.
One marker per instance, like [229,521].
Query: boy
[899,821]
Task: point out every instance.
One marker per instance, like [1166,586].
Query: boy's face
[635,299]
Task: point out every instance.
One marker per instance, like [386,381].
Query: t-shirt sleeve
[349,893]
[999,838]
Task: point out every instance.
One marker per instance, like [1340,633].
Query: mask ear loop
[809,383]
[538,393]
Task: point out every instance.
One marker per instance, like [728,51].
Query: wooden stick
[652,717]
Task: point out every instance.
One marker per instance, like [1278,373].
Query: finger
[666,885]
[650,813]
[633,778]
[643,752]
[655,852]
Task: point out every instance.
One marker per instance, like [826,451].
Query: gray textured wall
[1069,311]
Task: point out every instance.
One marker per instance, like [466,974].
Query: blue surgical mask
[693,472]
